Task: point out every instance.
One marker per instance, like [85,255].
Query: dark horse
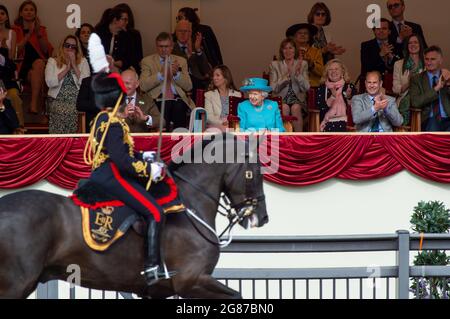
[40,236]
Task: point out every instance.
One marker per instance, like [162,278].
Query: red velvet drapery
[303,159]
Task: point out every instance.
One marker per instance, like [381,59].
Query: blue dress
[263,117]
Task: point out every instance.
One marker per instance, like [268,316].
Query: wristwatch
[149,121]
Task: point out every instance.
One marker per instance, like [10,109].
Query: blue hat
[256,84]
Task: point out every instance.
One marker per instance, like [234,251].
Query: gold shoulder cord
[92,146]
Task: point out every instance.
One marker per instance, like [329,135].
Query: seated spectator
[217,98]
[404,70]
[112,31]
[303,35]
[378,54]
[139,111]
[210,44]
[135,50]
[9,123]
[86,101]
[86,98]
[83,33]
[189,46]
[178,104]
[373,111]
[334,96]
[401,29]
[320,17]
[430,91]
[289,79]
[8,37]
[257,113]
[8,40]
[64,75]
[34,48]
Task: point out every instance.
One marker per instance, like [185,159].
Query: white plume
[97,54]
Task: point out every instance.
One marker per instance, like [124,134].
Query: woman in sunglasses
[63,75]
[320,17]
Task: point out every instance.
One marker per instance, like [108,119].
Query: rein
[234,213]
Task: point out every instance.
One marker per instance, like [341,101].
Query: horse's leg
[14,285]
[206,287]
[21,259]
[161,290]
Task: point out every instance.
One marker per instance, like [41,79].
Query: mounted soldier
[116,168]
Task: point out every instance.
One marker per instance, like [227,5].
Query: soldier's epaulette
[116,119]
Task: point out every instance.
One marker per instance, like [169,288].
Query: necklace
[258,108]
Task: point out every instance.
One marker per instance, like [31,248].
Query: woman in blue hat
[257,113]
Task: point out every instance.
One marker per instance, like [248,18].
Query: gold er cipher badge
[104,220]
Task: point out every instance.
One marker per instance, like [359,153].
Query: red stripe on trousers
[133,192]
[173,192]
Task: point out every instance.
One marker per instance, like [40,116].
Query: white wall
[335,207]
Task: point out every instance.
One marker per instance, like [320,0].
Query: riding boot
[153,268]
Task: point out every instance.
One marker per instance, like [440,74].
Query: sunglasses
[394,6]
[70,46]
[320,14]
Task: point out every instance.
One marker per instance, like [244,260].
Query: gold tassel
[91,147]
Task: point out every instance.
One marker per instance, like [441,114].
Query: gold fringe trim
[93,149]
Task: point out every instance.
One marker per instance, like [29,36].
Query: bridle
[235,213]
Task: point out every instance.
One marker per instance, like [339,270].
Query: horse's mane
[191,155]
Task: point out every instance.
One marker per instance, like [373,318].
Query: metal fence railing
[387,282]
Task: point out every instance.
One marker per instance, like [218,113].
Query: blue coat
[121,171]
[267,116]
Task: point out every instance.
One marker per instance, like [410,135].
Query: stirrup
[153,274]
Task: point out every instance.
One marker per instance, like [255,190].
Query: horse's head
[244,188]
[241,178]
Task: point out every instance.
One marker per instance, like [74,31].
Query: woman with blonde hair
[334,96]
[63,76]
[289,80]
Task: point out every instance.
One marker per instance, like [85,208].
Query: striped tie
[376,124]
[436,105]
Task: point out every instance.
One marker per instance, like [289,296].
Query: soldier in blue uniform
[117,168]
[121,171]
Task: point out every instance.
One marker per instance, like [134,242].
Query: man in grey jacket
[373,111]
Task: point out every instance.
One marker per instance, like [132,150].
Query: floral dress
[63,115]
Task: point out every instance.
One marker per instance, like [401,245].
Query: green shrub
[431,218]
